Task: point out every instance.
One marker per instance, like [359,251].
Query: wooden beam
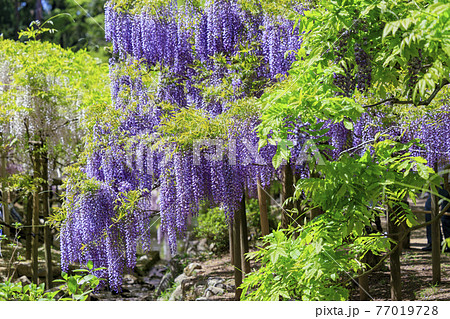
[419,211]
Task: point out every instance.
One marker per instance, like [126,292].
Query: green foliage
[253,217]
[312,262]
[50,95]
[349,185]
[396,33]
[183,127]
[75,287]
[84,30]
[32,292]
[79,286]
[212,225]
[78,25]
[304,268]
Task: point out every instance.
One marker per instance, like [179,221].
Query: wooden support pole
[231,242]
[363,282]
[237,255]
[47,231]
[435,241]
[28,223]
[35,220]
[244,238]
[4,198]
[263,209]
[394,259]
[287,192]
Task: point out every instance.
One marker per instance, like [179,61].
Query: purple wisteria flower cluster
[171,42]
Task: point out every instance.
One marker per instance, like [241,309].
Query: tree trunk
[39,14]
[287,192]
[435,241]
[237,255]
[47,231]
[263,209]
[394,259]
[16,20]
[244,238]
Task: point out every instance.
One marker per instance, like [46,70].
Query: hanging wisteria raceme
[186,50]
[182,45]
[433,130]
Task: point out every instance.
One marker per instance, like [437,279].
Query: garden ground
[415,268]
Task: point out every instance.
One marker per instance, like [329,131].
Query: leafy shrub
[309,265]
[213,226]
[31,292]
[253,217]
[303,268]
[75,287]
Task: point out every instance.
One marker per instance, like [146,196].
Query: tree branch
[394,100]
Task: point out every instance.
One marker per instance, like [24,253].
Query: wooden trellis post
[28,223]
[435,241]
[394,258]
[4,198]
[363,282]
[244,237]
[230,239]
[237,255]
[263,209]
[47,231]
[36,210]
[287,192]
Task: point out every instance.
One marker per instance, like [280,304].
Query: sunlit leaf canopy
[75,82]
[393,33]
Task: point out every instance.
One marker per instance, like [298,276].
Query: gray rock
[203,245]
[24,280]
[177,294]
[199,290]
[214,291]
[164,283]
[189,270]
[146,262]
[180,278]
[129,279]
[214,282]
[201,299]
[213,247]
